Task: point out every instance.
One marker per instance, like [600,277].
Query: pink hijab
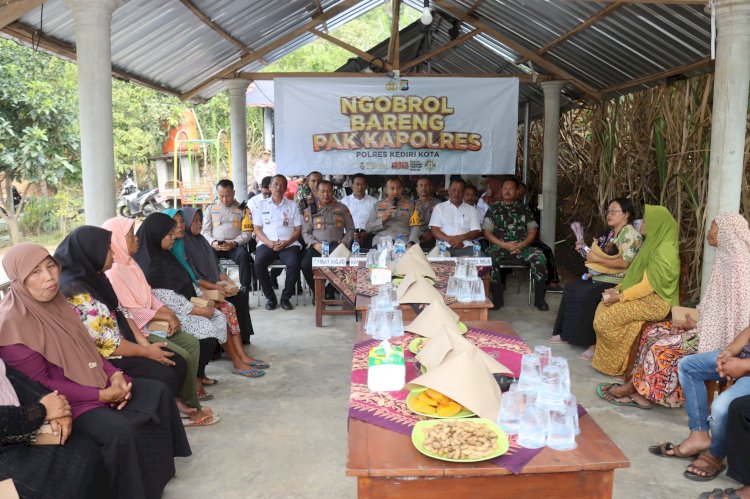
[126,276]
[725,308]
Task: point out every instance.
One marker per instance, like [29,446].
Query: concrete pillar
[549,164]
[731,80]
[267,129]
[94,56]
[238,135]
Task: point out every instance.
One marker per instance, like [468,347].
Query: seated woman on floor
[135,423]
[648,291]
[724,313]
[85,255]
[201,283]
[172,285]
[575,317]
[70,471]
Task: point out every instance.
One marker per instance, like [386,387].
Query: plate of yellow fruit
[434,404]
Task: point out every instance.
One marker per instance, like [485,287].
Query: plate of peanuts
[460,440]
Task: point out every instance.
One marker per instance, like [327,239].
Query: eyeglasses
[613,212]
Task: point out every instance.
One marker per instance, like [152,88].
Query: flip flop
[714,494]
[203,396]
[600,389]
[258,364]
[714,469]
[208,420]
[249,373]
[209,381]
[661,451]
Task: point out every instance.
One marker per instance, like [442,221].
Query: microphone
[394,203]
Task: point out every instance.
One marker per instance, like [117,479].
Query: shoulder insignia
[414,219]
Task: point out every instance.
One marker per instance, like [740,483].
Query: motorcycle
[135,202]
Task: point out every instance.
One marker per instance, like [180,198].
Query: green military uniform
[512,223]
[404,223]
[332,223]
[303,197]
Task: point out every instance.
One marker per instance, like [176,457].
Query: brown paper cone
[465,379]
[461,344]
[434,251]
[420,291]
[433,353]
[341,251]
[427,322]
[409,279]
[415,259]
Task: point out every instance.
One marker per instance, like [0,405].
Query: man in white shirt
[278,225]
[265,193]
[360,205]
[264,167]
[455,222]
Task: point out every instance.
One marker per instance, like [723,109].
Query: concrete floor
[284,436]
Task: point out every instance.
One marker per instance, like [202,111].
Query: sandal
[729,493]
[600,390]
[209,381]
[712,468]
[661,451]
[202,420]
[258,364]
[203,395]
[249,373]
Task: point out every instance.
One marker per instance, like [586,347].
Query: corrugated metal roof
[163,42]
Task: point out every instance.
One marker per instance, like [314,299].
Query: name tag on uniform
[441,258]
[328,262]
[480,261]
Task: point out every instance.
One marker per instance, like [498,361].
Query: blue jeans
[694,371]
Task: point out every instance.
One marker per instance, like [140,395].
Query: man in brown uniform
[331,222]
[425,203]
[394,216]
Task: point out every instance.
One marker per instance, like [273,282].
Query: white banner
[389,126]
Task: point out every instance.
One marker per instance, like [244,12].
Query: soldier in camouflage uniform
[304,197]
[510,228]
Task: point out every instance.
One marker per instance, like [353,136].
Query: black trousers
[242,306]
[141,367]
[241,257]
[307,268]
[265,256]
[207,347]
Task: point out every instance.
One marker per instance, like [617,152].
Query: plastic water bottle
[441,248]
[325,249]
[400,247]
[476,249]
[355,248]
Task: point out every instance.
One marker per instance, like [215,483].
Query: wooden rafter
[319,10]
[211,24]
[453,43]
[394,45]
[271,76]
[581,27]
[705,62]
[279,42]
[351,48]
[474,7]
[13,10]
[540,61]
[30,35]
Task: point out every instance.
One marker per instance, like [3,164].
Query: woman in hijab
[172,285]
[647,293]
[135,295]
[180,251]
[724,313]
[135,423]
[69,471]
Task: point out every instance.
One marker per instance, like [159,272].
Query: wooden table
[473,311]
[386,464]
[322,303]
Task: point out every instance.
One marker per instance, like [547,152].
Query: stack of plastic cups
[560,404]
[531,430]
[511,408]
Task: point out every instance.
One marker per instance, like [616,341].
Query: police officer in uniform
[331,222]
[228,228]
[425,203]
[394,216]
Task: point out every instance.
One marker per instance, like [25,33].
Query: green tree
[38,124]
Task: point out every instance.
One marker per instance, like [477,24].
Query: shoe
[497,297]
[539,292]
[286,304]
[271,304]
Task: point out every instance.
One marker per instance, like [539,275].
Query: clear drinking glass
[460,269]
[571,404]
[477,290]
[511,407]
[372,258]
[471,271]
[562,363]
[531,374]
[531,433]
[561,431]
[464,291]
[395,322]
[544,352]
[551,390]
[452,289]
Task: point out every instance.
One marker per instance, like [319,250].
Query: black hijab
[82,255]
[200,256]
[161,268]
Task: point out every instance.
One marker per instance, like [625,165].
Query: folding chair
[514,264]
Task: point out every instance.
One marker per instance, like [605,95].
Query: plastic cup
[471,271]
[452,289]
[511,407]
[571,404]
[551,388]
[531,432]
[562,363]
[460,269]
[477,290]
[561,431]
[464,291]
[544,352]
[395,322]
[531,374]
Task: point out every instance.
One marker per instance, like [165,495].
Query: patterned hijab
[52,329]
[659,256]
[178,250]
[200,255]
[126,276]
[725,308]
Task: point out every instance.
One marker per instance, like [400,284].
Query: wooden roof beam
[279,42]
[581,27]
[354,50]
[453,43]
[271,76]
[211,24]
[30,35]
[394,44]
[474,7]
[12,10]
[702,63]
[319,9]
[552,68]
